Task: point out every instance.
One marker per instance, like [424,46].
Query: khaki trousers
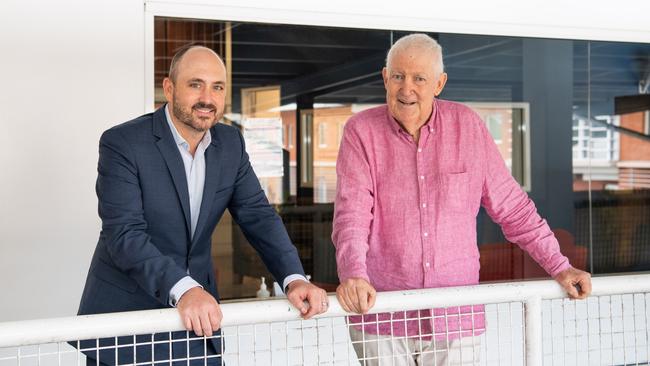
[382,350]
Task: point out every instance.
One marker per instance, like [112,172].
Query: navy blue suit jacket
[144,247]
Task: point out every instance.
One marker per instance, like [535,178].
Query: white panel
[624,20]
[70,69]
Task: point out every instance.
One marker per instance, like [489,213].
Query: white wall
[72,68]
[621,20]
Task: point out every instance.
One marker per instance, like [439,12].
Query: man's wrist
[292,278]
[180,288]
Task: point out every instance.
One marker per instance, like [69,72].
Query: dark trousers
[203,351]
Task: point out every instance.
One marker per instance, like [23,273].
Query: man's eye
[398,77]
[218,87]
[420,79]
[195,85]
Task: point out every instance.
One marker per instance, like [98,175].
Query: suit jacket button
[157,293]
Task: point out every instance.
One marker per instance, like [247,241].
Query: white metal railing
[527,322]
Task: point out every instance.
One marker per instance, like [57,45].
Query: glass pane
[547,103]
[620,153]
[509,126]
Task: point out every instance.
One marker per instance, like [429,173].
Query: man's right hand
[200,311]
[356,295]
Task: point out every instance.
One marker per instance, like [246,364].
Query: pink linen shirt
[405,212]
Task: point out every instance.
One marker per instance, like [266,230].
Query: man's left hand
[300,291]
[577,283]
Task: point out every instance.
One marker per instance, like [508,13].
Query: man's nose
[206,95]
[407,86]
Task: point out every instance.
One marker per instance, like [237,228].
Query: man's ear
[384,75]
[440,84]
[168,89]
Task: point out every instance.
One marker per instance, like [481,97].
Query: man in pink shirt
[412,175]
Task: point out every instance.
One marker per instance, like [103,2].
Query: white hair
[419,41]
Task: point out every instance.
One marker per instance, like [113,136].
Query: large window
[549,105]
[509,126]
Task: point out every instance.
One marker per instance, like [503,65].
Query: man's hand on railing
[200,311]
[356,295]
[299,292]
[577,283]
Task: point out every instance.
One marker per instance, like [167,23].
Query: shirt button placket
[423,214]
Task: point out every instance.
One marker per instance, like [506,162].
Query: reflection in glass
[549,105]
[614,162]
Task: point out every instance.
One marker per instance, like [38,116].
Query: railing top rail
[40,331]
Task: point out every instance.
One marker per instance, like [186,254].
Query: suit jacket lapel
[172,157]
[212,158]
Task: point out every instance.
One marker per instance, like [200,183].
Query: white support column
[533,331]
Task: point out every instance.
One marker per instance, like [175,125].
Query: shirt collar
[205,141]
[429,124]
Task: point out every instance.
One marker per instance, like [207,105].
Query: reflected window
[322,134]
[508,125]
[548,104]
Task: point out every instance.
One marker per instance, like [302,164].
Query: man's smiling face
[198,95]
[411,83]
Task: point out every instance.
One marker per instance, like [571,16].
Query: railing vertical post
[533,331]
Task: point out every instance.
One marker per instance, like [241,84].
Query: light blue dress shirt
[195,175]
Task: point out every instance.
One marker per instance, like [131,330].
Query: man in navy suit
[164,181]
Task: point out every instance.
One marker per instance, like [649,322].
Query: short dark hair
[173,67]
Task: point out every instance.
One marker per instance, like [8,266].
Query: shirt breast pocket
[453,192]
